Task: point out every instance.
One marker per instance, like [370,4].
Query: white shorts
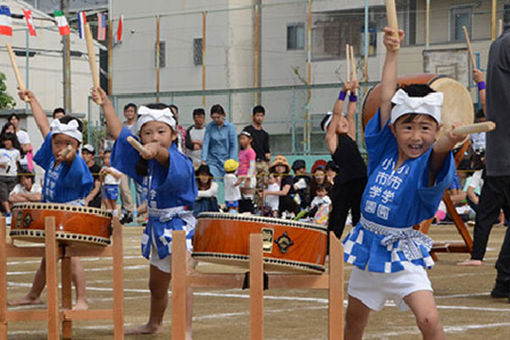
[374,289]
[165,264]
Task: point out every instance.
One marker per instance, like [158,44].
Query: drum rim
[255,218]
[316,268]
[62,207]
[59,235]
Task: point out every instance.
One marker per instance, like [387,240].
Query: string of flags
[61,20]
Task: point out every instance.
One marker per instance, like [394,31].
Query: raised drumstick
[470,49]
[92,58]
[353,62]
[348,63]
[137,146]
[474,128]
[391,15]
[21,85]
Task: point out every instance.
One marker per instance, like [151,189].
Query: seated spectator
[287,207]
[301,183]
[319,208]
[195,137]
[207,191]
[271,201]
[27,190]
[318,178]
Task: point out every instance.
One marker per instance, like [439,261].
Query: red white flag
[63,26]
[101,26]
[119,30]
[30,21]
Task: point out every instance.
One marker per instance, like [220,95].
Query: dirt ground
[462,294]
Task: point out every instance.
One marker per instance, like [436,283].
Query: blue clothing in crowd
[393,201]
[63,183]
[170,190]
[220,144]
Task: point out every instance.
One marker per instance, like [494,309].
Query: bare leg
[34,295]
[78,278]
[356,319]
[158,284]
[7,207]
[470,263]
[427,317]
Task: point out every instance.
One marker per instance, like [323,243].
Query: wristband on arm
[353,98]
[341,95]
[481,86]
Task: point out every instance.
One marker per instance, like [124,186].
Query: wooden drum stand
[183,280]
[53,250]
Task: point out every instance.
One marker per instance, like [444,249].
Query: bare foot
[144,329]
[470,263]
[24,301]
[81,305]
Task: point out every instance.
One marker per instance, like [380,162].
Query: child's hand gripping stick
[474,128]
[137,146]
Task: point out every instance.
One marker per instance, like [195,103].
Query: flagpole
[66,61]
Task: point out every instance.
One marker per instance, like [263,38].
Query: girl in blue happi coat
[408,172]
[168,181]
[67,179]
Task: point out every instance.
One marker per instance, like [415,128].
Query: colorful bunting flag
[119,30]
[101,26]
[63,26]
[5,20]
[82,21]
[30,21]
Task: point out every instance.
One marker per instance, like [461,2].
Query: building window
[197,52]
[460,16]
[296,36]
[162,54]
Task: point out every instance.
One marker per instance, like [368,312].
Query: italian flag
[63,26]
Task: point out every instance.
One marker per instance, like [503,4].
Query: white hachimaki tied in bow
[70,129]
[146,115]
[430,104]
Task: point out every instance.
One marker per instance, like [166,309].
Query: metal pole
[157,59]
[366,42]
[256,55]
[110,56]
[427,25]
[306,135]
[27,60]
[204,31]
[66,61]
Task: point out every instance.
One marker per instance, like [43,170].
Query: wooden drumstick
[92,59]
[353,62]
[391,15]
[21,85]
[348,63]
[137,146]
[474,128]
[470,49]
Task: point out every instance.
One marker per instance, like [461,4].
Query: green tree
[6,101]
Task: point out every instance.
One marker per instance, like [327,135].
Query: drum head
[457,105]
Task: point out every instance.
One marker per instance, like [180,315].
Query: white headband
[430,105]
[146,115]
[70,129]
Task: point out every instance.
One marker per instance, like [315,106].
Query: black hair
[57,110]
[12,115]
[414,90]
[12,137]
[25,172]
[198,112]
[258,109]
[67,119]
[320,187]
[142,166]
[173,108]
[203,169]
[217,108]
[128,105]
[6,126]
